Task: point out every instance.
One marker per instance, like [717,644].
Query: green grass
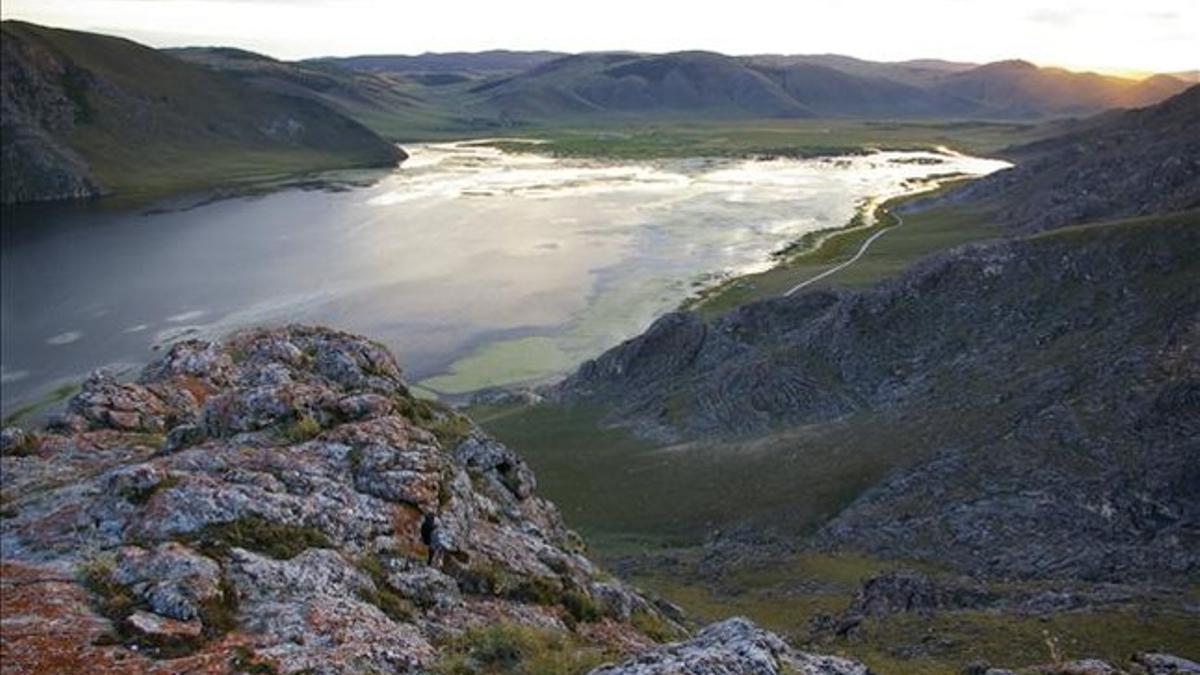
[922,234]
[24,412]
[254,533]
[517,649]
[1014,641]
[761,592]
[681,137]
[615,487]
[302,429]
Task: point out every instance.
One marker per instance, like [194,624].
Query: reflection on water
[476,266]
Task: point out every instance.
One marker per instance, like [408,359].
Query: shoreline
[704,288]
[866,220]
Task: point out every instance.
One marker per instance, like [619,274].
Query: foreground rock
[305,504]
[282,501]
[732,647]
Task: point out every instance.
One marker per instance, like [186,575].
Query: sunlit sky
[1105,35]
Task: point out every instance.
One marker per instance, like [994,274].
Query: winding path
[838,268]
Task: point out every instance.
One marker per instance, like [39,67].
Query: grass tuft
[302,429]
[255,533]
[516,649]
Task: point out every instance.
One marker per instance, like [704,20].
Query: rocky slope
[84,114]
[1116,165]
[1026,407]
[279,502]
[1045,386]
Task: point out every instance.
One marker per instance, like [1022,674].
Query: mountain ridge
[87,114]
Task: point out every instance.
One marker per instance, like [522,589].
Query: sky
[1119,36]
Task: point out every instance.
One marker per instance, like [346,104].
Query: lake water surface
[477,267]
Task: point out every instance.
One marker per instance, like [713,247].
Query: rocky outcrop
[732,647]
[281,499]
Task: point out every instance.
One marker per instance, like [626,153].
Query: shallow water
[477,267]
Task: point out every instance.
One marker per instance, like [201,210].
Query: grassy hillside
[597,86]
[922,233]
[394,105]
[146,123]
[451,65]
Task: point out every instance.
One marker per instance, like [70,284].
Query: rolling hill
[1019,89]
[702,84]
[393,105]
[698,84]
[87,114]
[449,65]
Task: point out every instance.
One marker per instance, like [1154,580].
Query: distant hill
[915,72]
[390,103]
[710,84]
[703,84]
[539,86]
[463,64]
[87,114]
[683,83]
[1020,89]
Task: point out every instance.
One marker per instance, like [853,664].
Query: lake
[477,267]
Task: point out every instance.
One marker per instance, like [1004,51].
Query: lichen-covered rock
[732,647]
[1163,664]
[172,579]
[304,512]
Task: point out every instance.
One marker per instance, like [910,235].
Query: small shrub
[145,439]
[113,600]
[25,445]
[443,422]
[255,533]
[304,428]
[535,590]
[354,458]
[581,606]
[508,648]
[244,660]
[141,496]
[395,606]
[220,614]
[450,429]
[488,578]
[653,626]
